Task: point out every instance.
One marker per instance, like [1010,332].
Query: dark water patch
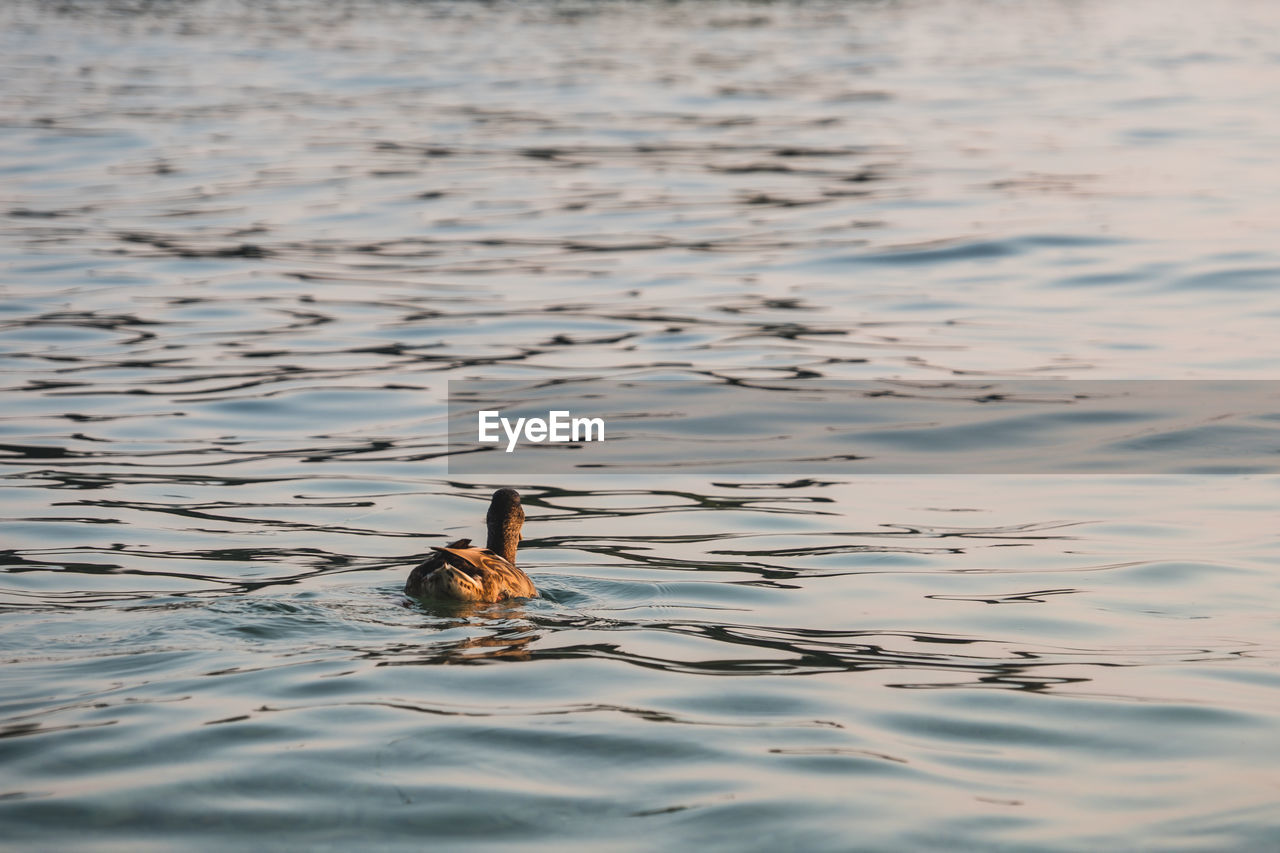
[1264,278]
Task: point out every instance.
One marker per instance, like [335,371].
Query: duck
[459,572]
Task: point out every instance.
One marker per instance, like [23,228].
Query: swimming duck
[459,572]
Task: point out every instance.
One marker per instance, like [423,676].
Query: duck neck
[503,541]
[504,521]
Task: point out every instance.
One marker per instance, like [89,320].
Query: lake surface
[246,247]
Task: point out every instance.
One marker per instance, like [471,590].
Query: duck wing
[473,561]
[498,579]
[491,569]
[416,584]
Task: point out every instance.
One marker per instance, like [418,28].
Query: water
[245,246]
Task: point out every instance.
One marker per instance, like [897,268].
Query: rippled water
[245,246]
